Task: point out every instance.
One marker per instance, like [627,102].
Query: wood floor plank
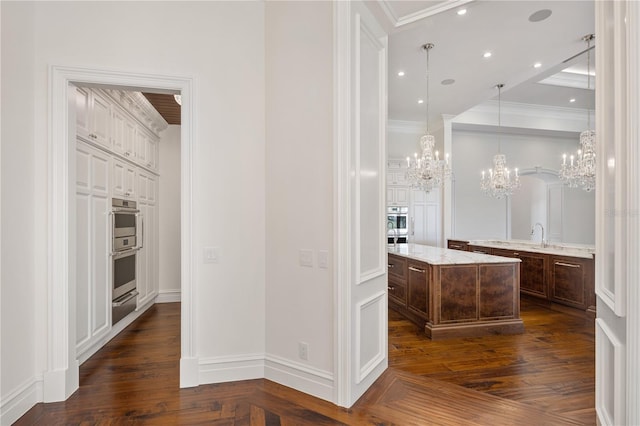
[545,377]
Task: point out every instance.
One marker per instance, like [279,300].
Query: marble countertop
[443,256]
[562,249]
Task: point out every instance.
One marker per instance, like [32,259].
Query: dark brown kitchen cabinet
[418,286]
[533,270]
[397,280]
[571,281]
[457,245]
[478,249]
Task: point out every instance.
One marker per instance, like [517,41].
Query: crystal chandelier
[499,182]
[581,169]
[427,171]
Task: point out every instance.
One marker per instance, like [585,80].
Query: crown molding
[138,106]
[399,21]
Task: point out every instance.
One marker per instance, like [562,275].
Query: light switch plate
[306,257]
[323,259]
[210,255]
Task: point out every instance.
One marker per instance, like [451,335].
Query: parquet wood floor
[544,377]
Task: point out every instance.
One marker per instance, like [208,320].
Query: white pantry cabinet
[124,179]
[93,274]
[397,196]
[425,223]
[93,117]
[124,134]
[147,267]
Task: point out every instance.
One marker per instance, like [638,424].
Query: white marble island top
[442,256]
[562,249]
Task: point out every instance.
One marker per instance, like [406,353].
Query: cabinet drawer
[479,249]
[457,245]
[398,291]
[397,266]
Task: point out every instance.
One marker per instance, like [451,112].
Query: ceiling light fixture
[486,55]
[499,182]
[581,170]
[537,65]
[400,73]
[427,171]
[420,101]
[462,12]
[572,100]
[178,99]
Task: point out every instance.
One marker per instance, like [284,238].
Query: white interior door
[361,122]
[617,217]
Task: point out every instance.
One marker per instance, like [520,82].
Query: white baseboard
[21,400]
[231,368]
[300,377]
[168,296]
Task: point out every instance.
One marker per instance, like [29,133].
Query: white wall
[216,43]
[299,207]
[169,213]
[476,215]
[19,289]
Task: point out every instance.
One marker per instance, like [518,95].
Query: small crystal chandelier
[499,182]
[427,171]
[581,170]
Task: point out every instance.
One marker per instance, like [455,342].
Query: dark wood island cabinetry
[550,273]
[453,294]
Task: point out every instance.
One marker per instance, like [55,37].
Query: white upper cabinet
[124,133]
[123,179]
[93,117]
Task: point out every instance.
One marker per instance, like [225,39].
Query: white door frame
[61,377]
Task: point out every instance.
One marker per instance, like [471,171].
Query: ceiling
[503,28]
[166,105]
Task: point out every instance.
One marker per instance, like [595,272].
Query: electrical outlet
[306,257]
[303,350]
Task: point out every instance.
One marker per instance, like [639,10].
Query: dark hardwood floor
[543,377]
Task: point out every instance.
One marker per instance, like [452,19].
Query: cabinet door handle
[411,268]
[569,265]
[515,253]
[390,265]
[391,288]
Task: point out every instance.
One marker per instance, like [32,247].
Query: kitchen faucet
[391,226]
[533,230]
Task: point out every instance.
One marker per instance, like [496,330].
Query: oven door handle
[119,302]
[140,218]
[113,231]
[123,253]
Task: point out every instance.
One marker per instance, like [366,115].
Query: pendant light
[499,182]
[427,171]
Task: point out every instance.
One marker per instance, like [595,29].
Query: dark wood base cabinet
[457,300]
[562,279]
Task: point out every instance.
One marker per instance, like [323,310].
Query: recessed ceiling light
[447,82]
[462,12]
[486,55]
[400,73]
[572,100]
[540,15]
[420,101]
[537,65]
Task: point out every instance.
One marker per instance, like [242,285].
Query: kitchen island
[451,293]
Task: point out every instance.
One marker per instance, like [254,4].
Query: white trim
[603,335]
[341,206]
[230,368]
[304,378]
[406,127]
[168,296]
[419,14]
[363,371]
[20,400]
[61,377]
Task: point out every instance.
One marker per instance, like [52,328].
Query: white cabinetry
[146,149]
[93,274]
[93,117]
[424,217]
[147,268]
[124,134]
[123,179]
[397,196]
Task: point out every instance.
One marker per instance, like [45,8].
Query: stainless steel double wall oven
[127,237]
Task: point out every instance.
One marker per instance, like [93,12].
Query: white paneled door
[617,212]
[361,253]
